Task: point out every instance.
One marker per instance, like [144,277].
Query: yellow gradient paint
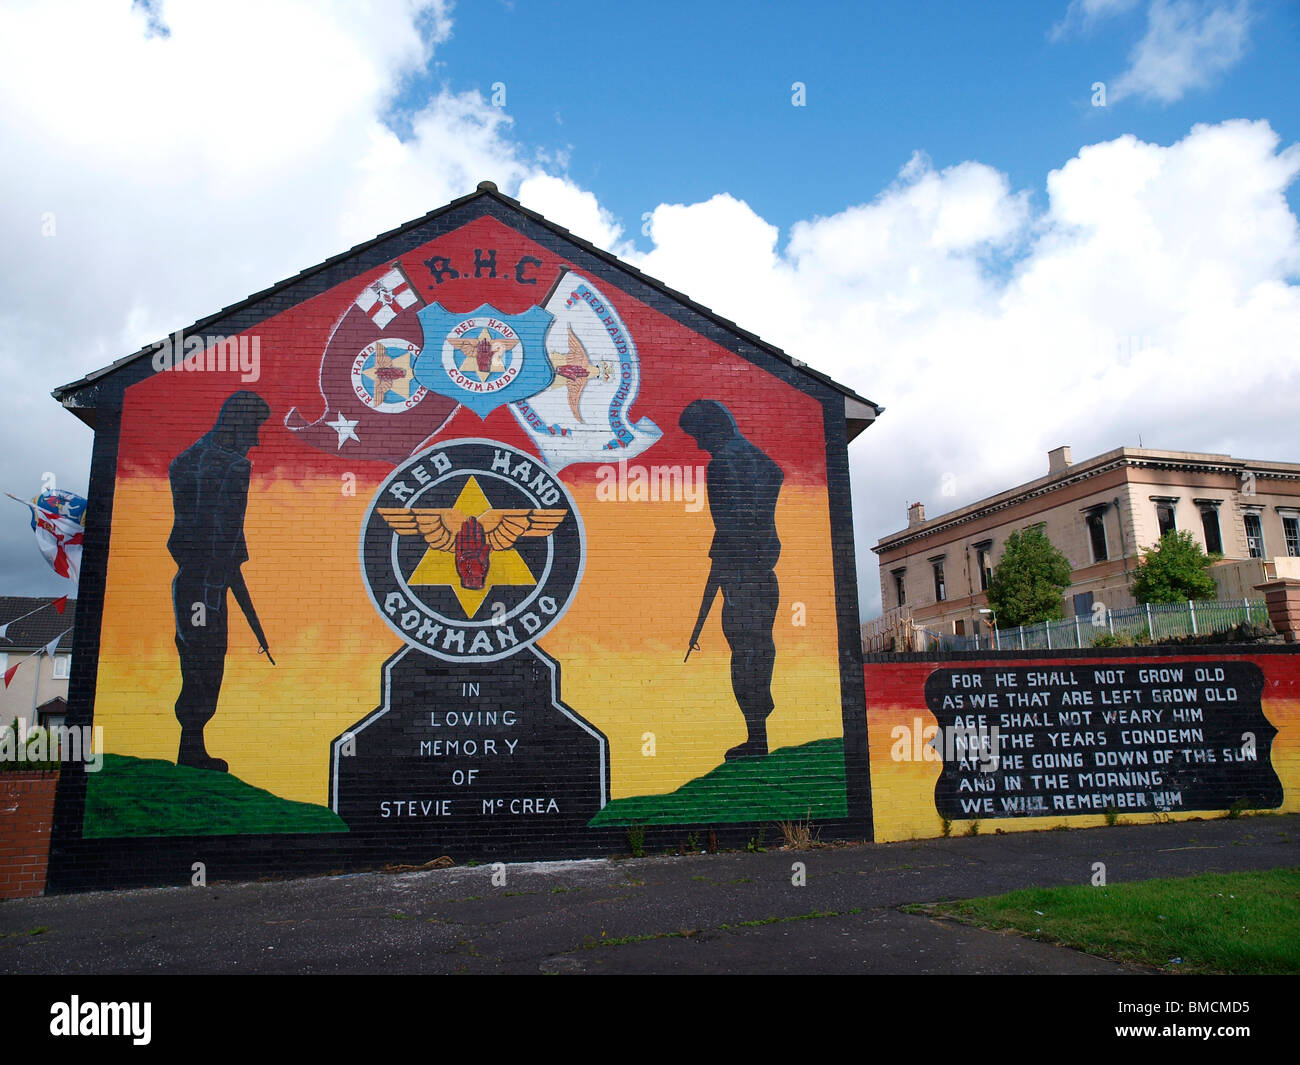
[620,646]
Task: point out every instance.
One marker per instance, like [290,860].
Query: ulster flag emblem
[374,407]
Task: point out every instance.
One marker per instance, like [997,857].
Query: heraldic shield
[484,359]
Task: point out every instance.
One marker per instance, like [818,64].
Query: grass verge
[1230,923]
[147,797]
[794,782]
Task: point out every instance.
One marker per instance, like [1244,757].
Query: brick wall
[373,738]
[1258,696]
[26,814]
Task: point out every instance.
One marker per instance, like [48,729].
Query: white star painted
[345,428]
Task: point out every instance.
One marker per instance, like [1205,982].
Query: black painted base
[458,752]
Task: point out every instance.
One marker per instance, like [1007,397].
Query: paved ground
[735,913]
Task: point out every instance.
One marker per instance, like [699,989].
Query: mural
[743,484]
[477,493]
[1046,741]
[209,486]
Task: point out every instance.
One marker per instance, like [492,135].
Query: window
[1165,516]
[899,589]
[62,666]
[982,552]
[1083,604]
[959,627]
[1291,529]
[940,593]
[1254,536]
[1210,523]
[1096,522]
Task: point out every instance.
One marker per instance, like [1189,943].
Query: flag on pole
[57,520]
[9,673]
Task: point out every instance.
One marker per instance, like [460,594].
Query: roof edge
[1083,470]
[64,393]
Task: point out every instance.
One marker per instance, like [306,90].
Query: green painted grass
[787,785]
[1233,923]
[149,797]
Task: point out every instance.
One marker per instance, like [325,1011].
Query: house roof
[39,629]
[1117,458]
[859,411]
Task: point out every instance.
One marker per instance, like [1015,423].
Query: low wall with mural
[987,742]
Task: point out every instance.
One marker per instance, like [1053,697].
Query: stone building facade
[1100,512]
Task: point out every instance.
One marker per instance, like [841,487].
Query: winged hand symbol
[473,539]
[574,370]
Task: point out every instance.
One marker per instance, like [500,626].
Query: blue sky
[697,98]
[948,225]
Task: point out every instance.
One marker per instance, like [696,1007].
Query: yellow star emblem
[504,567]
[390,374]
[483,353]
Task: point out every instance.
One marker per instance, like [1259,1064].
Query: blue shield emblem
[484,359]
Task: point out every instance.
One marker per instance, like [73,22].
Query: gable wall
[368,740]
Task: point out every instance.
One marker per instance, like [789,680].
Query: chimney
[915,514]
[1058,460]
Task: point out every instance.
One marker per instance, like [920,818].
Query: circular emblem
[383,376]
[472,551]
[482,354]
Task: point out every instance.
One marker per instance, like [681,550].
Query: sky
[1014,225]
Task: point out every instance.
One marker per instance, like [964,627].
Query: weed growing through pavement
[799,835]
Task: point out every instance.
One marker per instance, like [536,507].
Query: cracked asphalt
[720,913]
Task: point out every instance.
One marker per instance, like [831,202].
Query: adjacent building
[37,691]
[1100,512]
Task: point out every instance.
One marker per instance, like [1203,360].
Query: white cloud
[1186,46]
[563,203]
[1154,294]
[183,166]
[1083,15]
[693,241]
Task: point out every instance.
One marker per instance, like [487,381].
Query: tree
[1175,570]
[1027,584]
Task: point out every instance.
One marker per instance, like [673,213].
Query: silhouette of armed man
[209,484]
[743,485]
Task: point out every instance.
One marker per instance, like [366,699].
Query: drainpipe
[970,593]
[1123,548]
[36,688]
